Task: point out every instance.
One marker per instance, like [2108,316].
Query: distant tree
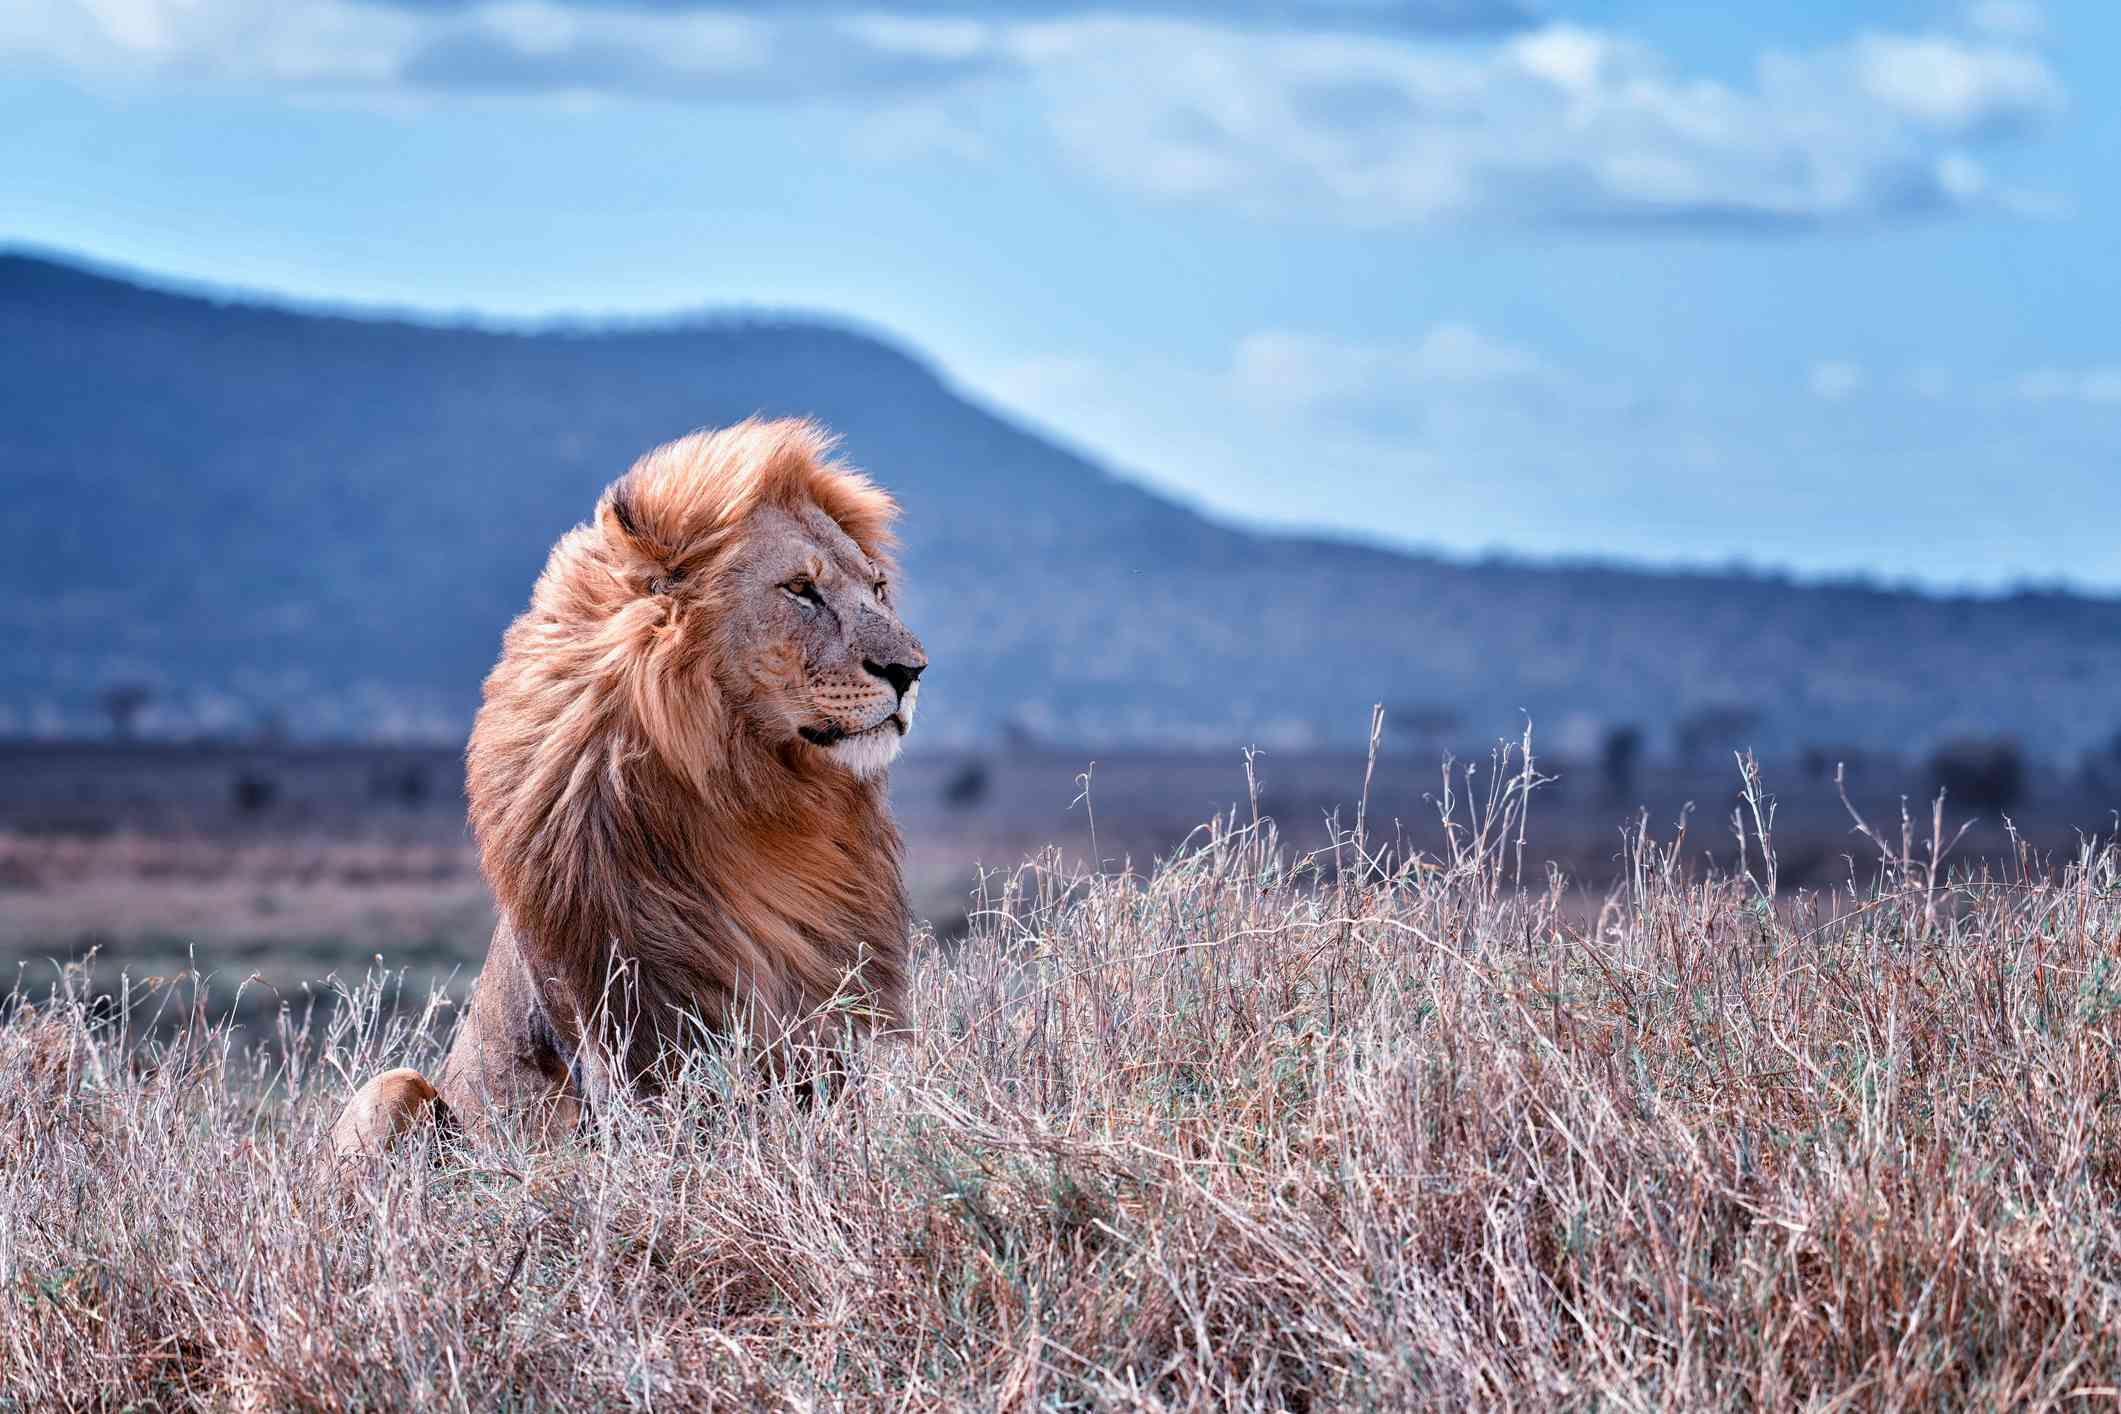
[252,793]
[1986,773]
[407,785]
[1710,732]
[1820,762]
[1618,756]
[123,702]
[968,786]
[2102,766]
[1427,725]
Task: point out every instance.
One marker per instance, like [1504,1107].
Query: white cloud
[132,24]
[938,37]
[1569,58]
[1954,85]
[1310,115]
[1305,370]
[913,130]
[1559,124]
[1456,353]
[252,41]
[2100,385]
[538,47]
[2011,19]
[1835,380]
[1961,177]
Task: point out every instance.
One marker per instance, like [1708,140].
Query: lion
[677,784]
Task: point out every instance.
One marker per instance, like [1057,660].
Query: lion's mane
[657,866]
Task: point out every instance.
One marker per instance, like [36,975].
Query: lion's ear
[620,517]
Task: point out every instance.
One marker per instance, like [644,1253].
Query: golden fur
[675,779]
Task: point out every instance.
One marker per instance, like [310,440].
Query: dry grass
[283,911]
[1252,1132]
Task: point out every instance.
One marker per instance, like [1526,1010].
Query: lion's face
[812,638]
[738,584]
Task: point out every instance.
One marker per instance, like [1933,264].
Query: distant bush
[1980,773]
[1428,726]
[1819,762]
[967,786]
[1619,754]
[252,793]
[123,703]
[1709,735]
[405,785]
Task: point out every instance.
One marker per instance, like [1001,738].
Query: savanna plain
[1344,1112]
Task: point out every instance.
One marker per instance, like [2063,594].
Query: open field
[1256,1131]
[290,863]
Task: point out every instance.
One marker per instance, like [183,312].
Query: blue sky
[1828,287]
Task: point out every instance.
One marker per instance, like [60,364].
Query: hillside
[324,521]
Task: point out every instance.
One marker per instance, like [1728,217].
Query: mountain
[324,520]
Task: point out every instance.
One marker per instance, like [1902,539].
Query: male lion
[677,785]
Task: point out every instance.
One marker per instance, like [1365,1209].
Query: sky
[1826,286]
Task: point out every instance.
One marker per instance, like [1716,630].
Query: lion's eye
[803,589]
[880,588]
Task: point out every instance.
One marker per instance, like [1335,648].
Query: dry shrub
[1247,1131]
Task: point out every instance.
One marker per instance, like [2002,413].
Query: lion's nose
[900,675]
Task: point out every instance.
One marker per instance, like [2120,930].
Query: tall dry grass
[1247,1131]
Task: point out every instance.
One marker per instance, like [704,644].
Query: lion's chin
[869,753]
